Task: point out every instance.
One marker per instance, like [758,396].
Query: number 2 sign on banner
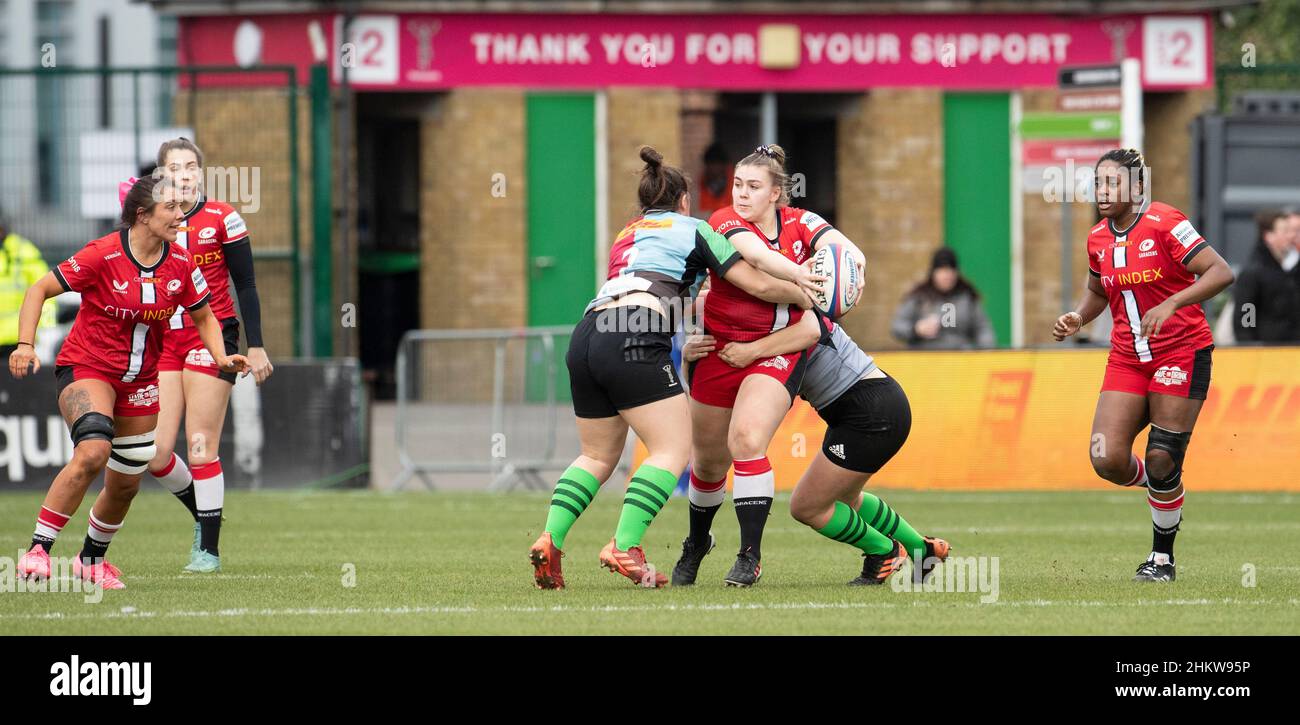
[1174,50]
[373,53]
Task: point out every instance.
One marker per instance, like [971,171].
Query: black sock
[701,521]
[93,551]
[1162,540]
[43,542]
[186,496]
[209,530]
[752,515]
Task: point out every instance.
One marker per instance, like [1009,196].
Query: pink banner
[727,52]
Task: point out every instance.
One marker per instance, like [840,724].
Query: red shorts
[714,382]
[183,350]
[139,397]
[1183,372]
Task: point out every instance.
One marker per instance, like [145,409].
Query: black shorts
[866,425]
[613,370]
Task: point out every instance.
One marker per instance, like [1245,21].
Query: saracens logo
[1170,375]
[206,235]
[1147,249]
[145,397]
[780,362]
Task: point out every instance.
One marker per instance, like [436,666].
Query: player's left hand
[1156,317]
[260,364]
[738,354]
[234,364]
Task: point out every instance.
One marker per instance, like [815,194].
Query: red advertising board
[421,51]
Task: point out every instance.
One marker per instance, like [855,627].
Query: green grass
[456,564]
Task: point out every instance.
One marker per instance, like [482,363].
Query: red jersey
[125,305]
[212,225]
[1141,267]
[732,314]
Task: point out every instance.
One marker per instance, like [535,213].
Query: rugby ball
[843,283]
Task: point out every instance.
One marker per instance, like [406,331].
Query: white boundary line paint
[908,601]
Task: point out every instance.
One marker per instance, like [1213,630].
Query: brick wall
[890,199]
[637,116]
[249,128]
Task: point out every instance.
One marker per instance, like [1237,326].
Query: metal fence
[480,401]
[69,136]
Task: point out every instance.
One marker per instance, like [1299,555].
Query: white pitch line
[614,609]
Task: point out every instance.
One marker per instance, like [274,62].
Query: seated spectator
[1266,297]
[715,182]
[944,311]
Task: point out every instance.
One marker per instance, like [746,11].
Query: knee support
[1175,444]
[131,454]
[92,426]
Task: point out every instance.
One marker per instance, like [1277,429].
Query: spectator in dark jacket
[1266,295]
[943,312]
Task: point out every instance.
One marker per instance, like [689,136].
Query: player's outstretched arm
[210,333]
[1093,302]
[792,338]
[774,263]
[765,286]
[29,316]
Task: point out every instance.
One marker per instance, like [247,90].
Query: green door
[561,221]
[977,197]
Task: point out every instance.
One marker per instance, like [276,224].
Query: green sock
[882,518]
[848,527]
[646,495]
[573,494]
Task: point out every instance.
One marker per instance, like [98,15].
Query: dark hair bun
[651,157]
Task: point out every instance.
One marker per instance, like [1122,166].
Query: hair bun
[651,157]
[778,153]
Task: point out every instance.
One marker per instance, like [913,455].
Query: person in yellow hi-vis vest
[21,265]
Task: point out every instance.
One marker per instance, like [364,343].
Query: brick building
[493,154]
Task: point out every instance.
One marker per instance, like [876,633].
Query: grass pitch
[445,563]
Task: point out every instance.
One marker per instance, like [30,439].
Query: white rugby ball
[842,285]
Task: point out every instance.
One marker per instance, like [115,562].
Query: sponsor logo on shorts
[1170,375]
[780,362]
[672,381]
[145,397]
[199,357]
[838,450]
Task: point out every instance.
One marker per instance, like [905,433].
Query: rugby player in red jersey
[189,381]
[736,411]
[1147,262]
[131,282]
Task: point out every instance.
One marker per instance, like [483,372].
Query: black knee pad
[92,426]
[1175,444]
